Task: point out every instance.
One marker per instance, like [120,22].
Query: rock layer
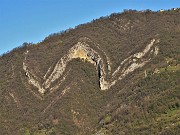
[85,52]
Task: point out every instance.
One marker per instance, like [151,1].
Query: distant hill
[116,75]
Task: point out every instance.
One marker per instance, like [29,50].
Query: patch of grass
[171,117]
[170,68]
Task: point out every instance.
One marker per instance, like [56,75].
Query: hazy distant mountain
[116,75]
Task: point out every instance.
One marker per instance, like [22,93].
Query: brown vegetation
[137,104]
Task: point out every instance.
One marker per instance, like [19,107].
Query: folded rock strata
[85,52]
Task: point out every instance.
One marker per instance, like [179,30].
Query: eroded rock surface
[85,52]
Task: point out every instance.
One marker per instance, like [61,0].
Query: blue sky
[32,20]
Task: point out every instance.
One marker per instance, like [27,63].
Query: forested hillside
[116,75]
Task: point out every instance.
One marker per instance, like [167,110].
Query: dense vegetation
[138,104]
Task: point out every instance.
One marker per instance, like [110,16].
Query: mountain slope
[116,75]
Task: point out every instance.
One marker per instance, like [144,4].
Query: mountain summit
[116,75]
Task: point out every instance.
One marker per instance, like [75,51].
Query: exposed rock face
[85,52]
[32,78]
